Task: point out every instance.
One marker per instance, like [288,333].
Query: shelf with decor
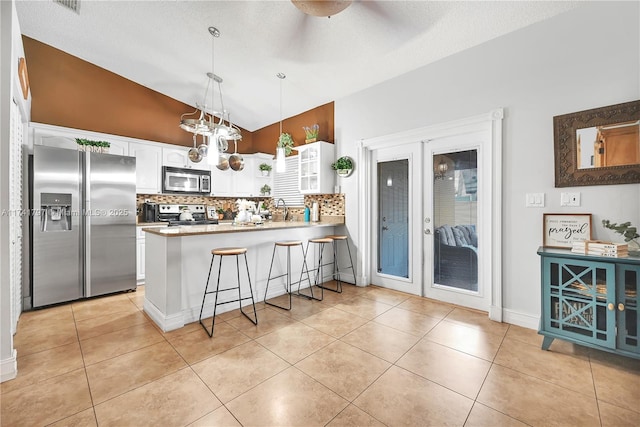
[314,168]
[246,182]
[590,300]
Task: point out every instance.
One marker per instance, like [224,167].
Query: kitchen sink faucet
[284,217]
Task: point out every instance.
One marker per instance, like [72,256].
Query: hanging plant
[343,166]
[285,141]
[342,163]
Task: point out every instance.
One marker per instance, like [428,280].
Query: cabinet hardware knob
[621,307]
[610,306]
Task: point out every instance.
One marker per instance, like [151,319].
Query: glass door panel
[455,220]
[393,218]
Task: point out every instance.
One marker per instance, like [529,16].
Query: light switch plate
[535,200]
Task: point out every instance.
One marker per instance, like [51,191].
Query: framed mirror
[598,147]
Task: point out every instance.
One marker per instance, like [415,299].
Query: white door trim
[491,121]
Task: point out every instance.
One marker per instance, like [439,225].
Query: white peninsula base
[177,261]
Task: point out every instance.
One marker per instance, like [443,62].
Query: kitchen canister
[314,212]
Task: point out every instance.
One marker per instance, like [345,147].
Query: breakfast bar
[177,261]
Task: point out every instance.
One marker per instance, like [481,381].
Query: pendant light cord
[212,75]
[281,76]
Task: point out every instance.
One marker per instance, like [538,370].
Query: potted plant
[220,212]
[311,133]
[265,168]
[343,166]
[285,142]
[628,231]
[265,190]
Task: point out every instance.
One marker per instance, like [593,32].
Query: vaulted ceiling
[166,45]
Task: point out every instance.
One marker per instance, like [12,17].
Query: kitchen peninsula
[177,261]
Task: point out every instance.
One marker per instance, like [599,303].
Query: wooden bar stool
[222,252]
[336,238]
[288,244]
[319,277]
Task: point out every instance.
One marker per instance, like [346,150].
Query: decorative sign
[561,230]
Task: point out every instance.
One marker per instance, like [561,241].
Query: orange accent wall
[264,140]
[68,91]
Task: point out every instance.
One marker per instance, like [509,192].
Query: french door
[431,217]
[456,220]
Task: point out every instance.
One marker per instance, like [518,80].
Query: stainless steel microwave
[177,180]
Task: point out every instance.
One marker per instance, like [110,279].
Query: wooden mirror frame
[567,172]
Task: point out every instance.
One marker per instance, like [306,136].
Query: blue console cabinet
[590,300]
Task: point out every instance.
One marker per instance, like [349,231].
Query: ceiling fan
[321,7]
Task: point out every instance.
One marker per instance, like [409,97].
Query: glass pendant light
[281,165]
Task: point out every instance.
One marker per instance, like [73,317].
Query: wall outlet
[570,199]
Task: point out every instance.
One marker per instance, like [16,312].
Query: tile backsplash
[329,204]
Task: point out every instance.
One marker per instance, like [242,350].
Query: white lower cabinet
[140,251]
[140,261]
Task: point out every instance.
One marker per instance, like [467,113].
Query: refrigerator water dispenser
[55,212]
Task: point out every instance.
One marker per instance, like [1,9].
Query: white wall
[586,58]
[7,359]
[10,50]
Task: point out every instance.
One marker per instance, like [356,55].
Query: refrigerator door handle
[86,222]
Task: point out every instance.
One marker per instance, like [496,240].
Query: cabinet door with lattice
[578,301]
[628,277]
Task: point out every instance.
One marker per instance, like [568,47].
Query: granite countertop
[151,224]
[191,230]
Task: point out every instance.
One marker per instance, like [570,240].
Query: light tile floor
[366,357]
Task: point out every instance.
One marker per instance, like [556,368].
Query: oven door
[177,181]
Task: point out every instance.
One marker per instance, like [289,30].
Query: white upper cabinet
[315,175]
[120,148]
[61,137]
[148,167]
[221,182]
[179,158]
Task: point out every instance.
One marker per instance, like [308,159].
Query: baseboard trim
[166,323]
[9,367]
[520,319]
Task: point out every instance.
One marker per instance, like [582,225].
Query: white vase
[243,216]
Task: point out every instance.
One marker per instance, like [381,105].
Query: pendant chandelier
[203,120]
[441,170]
[280,150]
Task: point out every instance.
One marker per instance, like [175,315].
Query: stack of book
[600,248]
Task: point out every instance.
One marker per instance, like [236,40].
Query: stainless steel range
[176,214]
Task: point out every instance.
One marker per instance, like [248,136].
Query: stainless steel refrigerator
[83,224]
